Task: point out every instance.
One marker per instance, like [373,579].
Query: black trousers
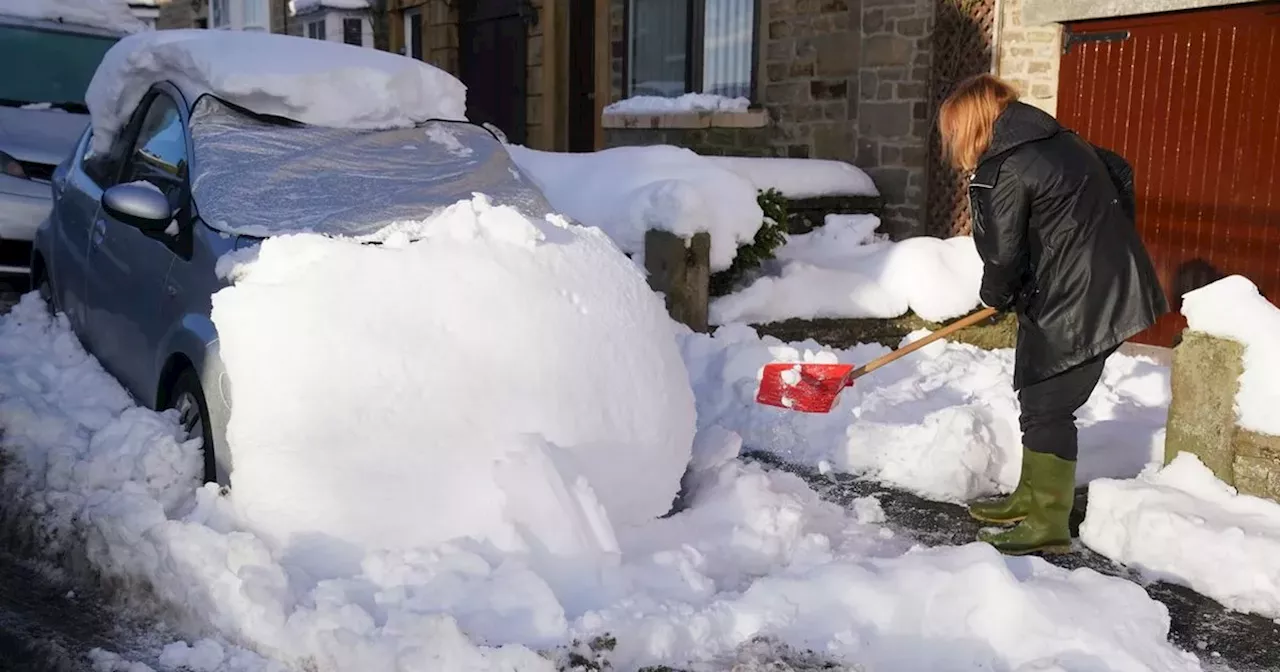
[1049,407]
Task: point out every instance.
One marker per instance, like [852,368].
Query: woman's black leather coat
[1052,221]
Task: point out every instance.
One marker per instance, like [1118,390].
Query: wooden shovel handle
[985,313]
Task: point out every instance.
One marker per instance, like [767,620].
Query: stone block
[680,269]
[836,55]
[1202,417]
[829,89]
[886,50]
[885,120]
[873,21]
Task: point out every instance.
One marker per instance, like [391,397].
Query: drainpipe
[997,23]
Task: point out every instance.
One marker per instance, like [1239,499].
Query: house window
[413,33]
[353,31]
[220,13]
[315,29]
[681,46]
[255,15]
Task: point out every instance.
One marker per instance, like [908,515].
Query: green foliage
[772,234]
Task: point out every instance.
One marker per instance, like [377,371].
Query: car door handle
[171,290]
[99,231]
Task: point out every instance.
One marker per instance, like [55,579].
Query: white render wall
[333,24]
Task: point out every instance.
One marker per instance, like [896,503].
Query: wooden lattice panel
[962,47]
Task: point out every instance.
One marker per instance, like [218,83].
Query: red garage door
[1192,99]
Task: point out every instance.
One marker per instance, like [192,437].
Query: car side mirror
[139,204]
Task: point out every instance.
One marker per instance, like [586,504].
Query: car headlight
[10,166]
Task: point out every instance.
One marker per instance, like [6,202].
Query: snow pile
[1233,308]
[311,81]
[536,391]
[111,15]
[756,555]
[689,102]
[941,422]
[626,191]
[801,178]
[1181,524]
[840,270]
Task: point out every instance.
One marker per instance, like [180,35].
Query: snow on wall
[311,81]
[689,102]
[801,178]
[626,191]
[842,270]
[1180,523]
[1233,308]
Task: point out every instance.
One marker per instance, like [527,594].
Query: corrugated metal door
[1192,100]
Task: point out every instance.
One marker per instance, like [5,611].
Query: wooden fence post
[681,270]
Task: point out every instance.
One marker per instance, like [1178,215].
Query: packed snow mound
[626,191]
[801,178]
[517,374]
[842,270]
[113,15]
[1234,308]
[311,81]
[688,102]
[1180,523]
[942,422]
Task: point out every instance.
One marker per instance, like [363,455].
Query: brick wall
[1029,57]
[839,79]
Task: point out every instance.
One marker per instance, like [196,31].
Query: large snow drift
[941,422]
[628,190]
[111,15]
[842,269]
[311,81]
[1233,308]
[517,374]
[1180,523]
[756,555]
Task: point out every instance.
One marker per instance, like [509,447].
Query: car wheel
[187,397]
[41,284]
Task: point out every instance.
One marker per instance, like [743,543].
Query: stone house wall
[176,14]
[836,79]
[440,48]
[1029,57]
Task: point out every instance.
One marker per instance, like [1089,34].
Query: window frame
[323,37]
[359,21]
[695,48]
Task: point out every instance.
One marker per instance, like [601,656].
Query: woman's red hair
[968,115]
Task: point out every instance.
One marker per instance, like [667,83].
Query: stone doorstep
[652,120]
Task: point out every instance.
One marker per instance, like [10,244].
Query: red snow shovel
[813,388]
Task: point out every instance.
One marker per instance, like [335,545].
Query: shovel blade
[808,388]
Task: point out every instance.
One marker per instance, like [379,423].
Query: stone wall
[838,79]
[1202,417]
[1030,56]
[177,14]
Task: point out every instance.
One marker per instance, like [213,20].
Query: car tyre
[187,397]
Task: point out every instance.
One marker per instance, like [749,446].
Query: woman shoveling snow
[1053,223]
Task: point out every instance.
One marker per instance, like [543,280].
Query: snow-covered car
[42,112]
[189,159]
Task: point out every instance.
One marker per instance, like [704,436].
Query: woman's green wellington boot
[1011,508]
[1051,488]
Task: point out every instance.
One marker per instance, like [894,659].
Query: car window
[159,155]
[96,165]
